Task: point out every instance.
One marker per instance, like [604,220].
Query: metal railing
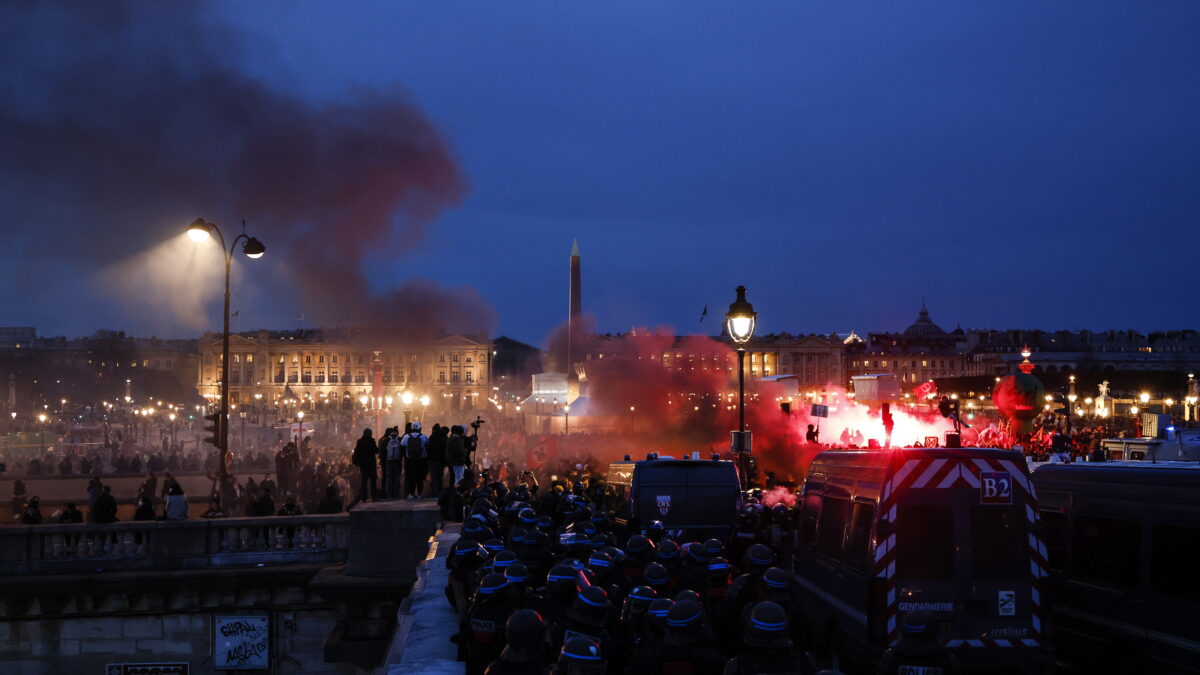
[185,544]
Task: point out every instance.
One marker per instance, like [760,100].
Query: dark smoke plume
[122,121]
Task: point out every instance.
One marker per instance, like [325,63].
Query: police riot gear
[770,648]
[527,652]
[918,651]
[581,656]
[483,629]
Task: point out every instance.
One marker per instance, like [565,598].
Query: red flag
[542,452]
[925,389]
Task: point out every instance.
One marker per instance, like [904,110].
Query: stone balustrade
[160,545]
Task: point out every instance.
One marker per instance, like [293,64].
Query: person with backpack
[415,463]
[394,459]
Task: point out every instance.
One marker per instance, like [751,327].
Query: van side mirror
[884,529]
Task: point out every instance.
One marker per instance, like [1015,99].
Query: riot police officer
[526,651]
[770,649]
[685,647]
[639,552]
[918,649]
[558,593]
[580,656]
[483,632]
[587,617]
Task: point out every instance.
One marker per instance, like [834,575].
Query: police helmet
[718,568]
[758,558]
[516,573]
[493,584]
[694,552]
[525,629]
[494,545]
[590,606]
[534,539]
[600,561]
[775,581]
[685,616]
[767,626]
[503,559]
[714,547]
[656,575]
[561,578]
[639,544]
[517,535]
[528,517]
[580,656]
[668,550]
[615,553]
[656,529]
[545,523]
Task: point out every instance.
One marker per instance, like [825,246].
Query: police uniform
[483,631]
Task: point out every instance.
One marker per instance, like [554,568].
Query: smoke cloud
[123,121]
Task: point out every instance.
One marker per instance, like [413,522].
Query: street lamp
[202,230]
[1144,397]
[567,418]
[42,431]
[739,321]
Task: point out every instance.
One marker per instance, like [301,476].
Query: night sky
[1017,164]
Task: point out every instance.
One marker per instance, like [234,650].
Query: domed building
[923,352]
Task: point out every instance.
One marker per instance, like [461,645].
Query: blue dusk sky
[1015,164]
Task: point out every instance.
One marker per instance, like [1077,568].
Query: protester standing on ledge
[415,465]
[364,458]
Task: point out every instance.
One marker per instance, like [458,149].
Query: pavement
[425,622]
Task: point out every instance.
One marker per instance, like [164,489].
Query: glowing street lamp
[199,231]
[1144,397]
[739,322]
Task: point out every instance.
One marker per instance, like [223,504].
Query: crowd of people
[545,582]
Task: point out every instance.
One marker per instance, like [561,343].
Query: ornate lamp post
[202,230]
[739,322]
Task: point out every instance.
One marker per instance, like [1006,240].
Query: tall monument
[574,323]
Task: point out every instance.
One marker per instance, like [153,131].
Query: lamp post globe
[199,230]
[740,321]
[741,318]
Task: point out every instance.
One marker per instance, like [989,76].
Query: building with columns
[921,353]
[334,368]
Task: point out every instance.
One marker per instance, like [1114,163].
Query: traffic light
[214,428]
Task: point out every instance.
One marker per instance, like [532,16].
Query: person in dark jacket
[365,451]
[145,509]
[526,651]
[106,507]
[331,502]
[436,456]
[71,514]
[456,453]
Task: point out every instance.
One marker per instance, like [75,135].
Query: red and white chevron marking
[945,473]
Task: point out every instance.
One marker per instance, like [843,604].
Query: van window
[858,542]
[1172,569]
[924,543]
[1107,550]
[808,519]
[832,526]
[997,551]
[1055,537]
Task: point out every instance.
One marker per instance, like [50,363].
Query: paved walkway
[426,621]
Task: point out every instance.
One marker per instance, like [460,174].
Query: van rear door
[963,550]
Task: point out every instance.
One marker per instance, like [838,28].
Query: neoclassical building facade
[336,369]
